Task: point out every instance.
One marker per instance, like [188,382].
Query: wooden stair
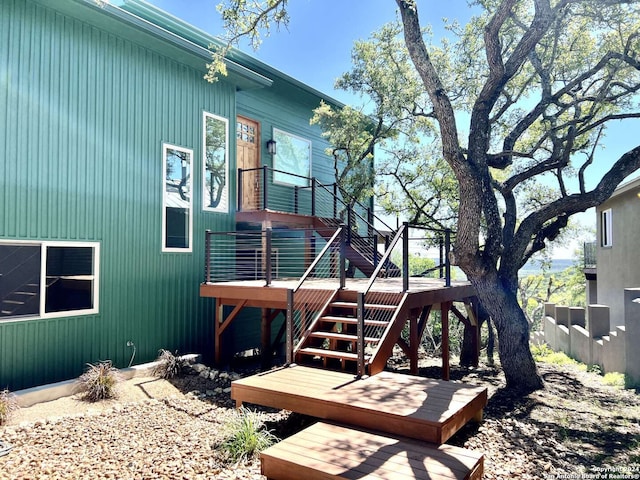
[360,250]
[333,340]
[327,451]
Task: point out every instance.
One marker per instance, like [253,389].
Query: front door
[248,143]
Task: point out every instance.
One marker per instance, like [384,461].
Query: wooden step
[320,352]
[342,336]
[367,306]
[325,451]
[353,321]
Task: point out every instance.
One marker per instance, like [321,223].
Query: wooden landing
[416,407]
[327,452]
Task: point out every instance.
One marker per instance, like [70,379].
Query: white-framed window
[292,162]
[48,279]
[177,198]
[606,228]
[215,177]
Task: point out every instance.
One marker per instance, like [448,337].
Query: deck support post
[265,338]
[219,311]
[289,345]
[444,313]
[360,335]
[414,342]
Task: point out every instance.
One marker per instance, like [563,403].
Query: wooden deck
[422,291]
[325,451]
[410,406]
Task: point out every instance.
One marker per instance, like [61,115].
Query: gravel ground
[156,429]
[574,428]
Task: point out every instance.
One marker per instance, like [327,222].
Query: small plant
[99,381]
[247,435]
[169,365]
[614,379]
[8,405]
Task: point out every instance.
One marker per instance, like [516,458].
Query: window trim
[606,228]
[225,207]
[277,176]
[44,245]
[189,248]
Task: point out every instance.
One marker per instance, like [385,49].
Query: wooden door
[248,157]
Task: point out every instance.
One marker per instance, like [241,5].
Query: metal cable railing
[305,305]
[269,255]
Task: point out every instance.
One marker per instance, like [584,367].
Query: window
[177,199]
[215,163]
[292,163]
[606,228]
[48,279]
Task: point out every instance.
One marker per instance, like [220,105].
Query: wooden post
[217,319]
[265,334]
[414,343]
[444,313]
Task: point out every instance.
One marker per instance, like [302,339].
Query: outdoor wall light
[271,146]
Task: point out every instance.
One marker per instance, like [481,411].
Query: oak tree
[520,100]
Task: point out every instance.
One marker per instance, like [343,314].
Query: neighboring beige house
[617,251]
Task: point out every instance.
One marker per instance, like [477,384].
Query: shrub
[99,381]
[169,365]
[8,405]
[246,435]
[614,379]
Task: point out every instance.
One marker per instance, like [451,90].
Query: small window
[177,220]
[292,162]
[606,228]
[216,164]
[48,279]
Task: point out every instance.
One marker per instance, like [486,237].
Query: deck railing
[286,192]
[269,255]
[305,305]
[370,300]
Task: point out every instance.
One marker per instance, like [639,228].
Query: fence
[586,335]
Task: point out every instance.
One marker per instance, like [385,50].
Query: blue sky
[316,49]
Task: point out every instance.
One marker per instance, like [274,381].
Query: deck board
[416,407]
[325,451]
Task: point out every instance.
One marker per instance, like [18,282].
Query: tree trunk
[513,333]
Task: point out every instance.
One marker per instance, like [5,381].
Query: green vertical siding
[83,115]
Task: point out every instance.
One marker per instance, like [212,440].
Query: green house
[118,156]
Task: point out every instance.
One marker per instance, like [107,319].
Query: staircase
[360,251]
[332,338]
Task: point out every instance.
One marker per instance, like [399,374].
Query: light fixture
[271,146]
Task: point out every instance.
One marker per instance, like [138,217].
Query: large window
[215,196]
[292,161]
[48,279]
[606,229]
[177,219]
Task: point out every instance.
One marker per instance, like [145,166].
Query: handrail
[312,183]
[340,232]
[318,258]
[385,257]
